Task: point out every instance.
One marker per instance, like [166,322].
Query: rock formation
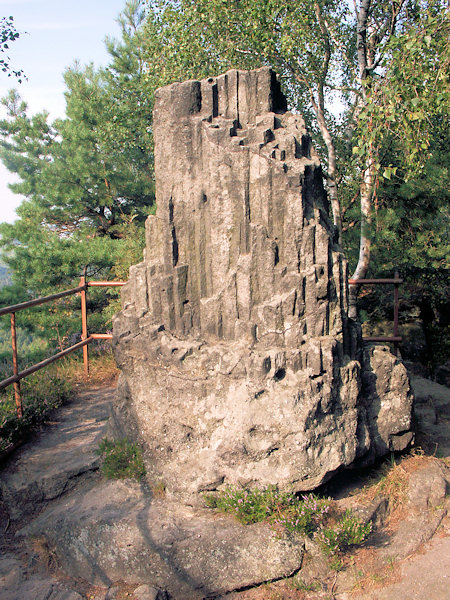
[238,362]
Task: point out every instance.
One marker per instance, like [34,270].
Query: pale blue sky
[58,32]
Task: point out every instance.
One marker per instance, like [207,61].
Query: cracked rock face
[238,362]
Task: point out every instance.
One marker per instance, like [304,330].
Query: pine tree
[87,178]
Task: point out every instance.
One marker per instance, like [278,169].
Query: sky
[56,33]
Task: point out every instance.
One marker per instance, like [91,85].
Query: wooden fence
[86,338]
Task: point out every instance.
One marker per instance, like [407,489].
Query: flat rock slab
[115,531]
[16,585]
[425,576]
[53,463]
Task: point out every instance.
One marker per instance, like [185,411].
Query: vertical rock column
[233,340]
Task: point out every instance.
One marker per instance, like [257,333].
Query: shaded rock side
[239,364]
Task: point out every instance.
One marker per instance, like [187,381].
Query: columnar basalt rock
[239,364]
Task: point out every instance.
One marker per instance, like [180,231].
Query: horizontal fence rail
[42,364]
[86,339]
[16,307]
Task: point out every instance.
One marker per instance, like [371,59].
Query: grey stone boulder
[115,532]
[387,401]
[239,364]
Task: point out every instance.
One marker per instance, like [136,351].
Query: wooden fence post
[396,276]
[17,391]
[84,329]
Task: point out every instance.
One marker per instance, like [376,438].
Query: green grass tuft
[282,509]
[348,531]
[121,459]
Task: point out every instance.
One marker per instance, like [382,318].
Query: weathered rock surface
[239,364]
[420,577]
[103,517]
[116,532]
[65,457]
[432,415]
[386,401]
[15,586]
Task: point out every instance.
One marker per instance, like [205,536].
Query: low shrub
[303,515]
[250,506]
[42,393]
[308,515]
[282,509]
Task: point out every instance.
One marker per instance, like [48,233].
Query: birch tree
[324,51]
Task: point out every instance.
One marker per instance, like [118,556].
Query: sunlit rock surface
[238,362]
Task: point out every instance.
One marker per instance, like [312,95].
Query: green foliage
[283,510]
[302,516]
[391,99]
[348,531]
[121,459]
[298,584]
[203,38]
[249,506]
[5,277]
[410,233]
[30,348]
[88,184]
[308,515]
[8,34]
[88,178]
[42,392]
[410,90]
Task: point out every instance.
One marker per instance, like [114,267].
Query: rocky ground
[56,475]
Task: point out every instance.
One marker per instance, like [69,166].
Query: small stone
[148,592]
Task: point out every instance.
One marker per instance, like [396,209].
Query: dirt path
[56,460]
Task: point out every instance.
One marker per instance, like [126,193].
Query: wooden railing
[86,338]
[396,281]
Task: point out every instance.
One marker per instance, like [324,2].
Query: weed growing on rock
[250,506]
[348,531]
[302,515]
[121,459]
[159,489]
[283,510]
[296,583]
